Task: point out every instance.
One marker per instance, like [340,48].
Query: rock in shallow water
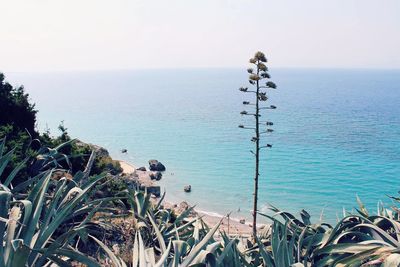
[155,165]
[156,176]
[187,188]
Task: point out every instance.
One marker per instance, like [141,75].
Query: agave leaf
[110,254]
[160,201]
[37,198]
[363,211]
[142,256]
[63,213]
[392,260]
[376,231]
[22,187]
[14,172]
[5,159]
[164,257]
[158,233]
[64,144]
[204,257]
[345,248]
[184,215]
[176,230]
[196,250]
[227,249]
[305,216]
[19,255]
[135,251]
[180,249]
[78,256]
[268,261]
[5,198]
[27,214]
[11,228]
[50,212]
[2,145]
[358,258]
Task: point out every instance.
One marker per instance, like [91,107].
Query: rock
[187,188]
[155,165]
[155,176]
[141,169]
[242,221]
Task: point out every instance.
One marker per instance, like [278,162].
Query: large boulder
[187,188]
[156,176]
[155,165]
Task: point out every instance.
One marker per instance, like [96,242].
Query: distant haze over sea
[337,132]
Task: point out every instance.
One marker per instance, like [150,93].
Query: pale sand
[127,168]
[235,227]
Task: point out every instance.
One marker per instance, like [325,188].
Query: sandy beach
[235,227]
[127,168]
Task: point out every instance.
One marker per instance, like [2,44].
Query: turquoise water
[337,132]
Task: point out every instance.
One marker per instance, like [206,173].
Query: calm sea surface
[337,132]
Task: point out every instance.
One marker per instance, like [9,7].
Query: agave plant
[163,238]
[41,219]
[356,240]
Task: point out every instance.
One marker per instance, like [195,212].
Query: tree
[15,108]
[257,77]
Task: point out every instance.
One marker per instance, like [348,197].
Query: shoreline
[211,218]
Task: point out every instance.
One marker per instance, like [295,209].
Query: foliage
[162,238]
[356,240]
[15,108]
[42,219]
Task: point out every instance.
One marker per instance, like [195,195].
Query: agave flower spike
[257,75]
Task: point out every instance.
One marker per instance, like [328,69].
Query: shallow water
[337,132]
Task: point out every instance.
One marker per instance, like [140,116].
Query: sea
[336,133]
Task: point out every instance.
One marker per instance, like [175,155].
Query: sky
[65,35]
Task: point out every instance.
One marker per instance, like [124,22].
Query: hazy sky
[43,35]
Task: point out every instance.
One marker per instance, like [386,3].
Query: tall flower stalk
[259,79]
